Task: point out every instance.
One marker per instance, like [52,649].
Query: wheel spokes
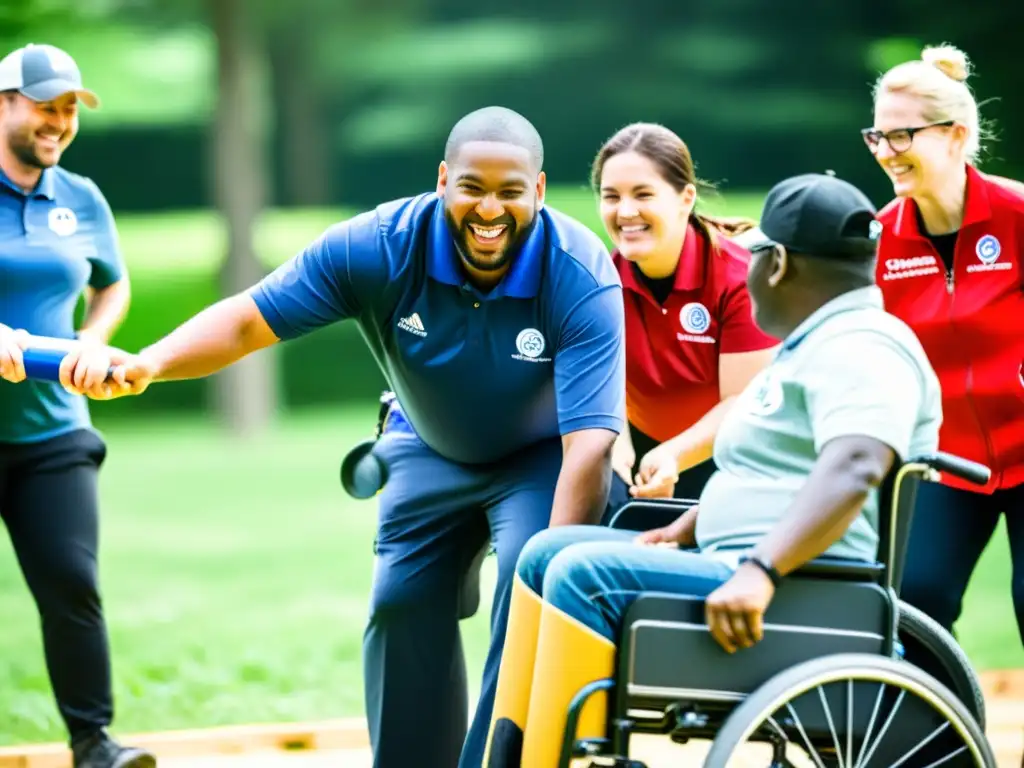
[813,736]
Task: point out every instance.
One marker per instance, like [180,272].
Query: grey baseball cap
[44,73]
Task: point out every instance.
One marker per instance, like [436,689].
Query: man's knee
[569,576]
[401,598]
[538,552]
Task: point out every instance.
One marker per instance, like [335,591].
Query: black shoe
[101,751]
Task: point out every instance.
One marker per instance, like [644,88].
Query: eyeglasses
[899,139]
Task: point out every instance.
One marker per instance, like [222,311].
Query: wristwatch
[765,566]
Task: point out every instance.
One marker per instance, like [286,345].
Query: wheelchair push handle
[43,356]
[971,471]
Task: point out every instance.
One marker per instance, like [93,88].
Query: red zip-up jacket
[970,321]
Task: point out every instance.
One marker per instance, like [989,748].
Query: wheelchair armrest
[648,514]
[842,569]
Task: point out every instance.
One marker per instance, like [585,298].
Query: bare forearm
[697,443]
[583,483]
[684,529]
[822,512]
[218,336]
[105,311]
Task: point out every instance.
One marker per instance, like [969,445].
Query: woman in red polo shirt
[950,267]
[691,342]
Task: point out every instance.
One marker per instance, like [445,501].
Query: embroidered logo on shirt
[764,394]
[413,324]
[63,222]
[530,343]
[898,269]
[987,249]
[695,320]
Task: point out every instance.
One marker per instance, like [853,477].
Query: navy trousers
[435,517]
[950,531]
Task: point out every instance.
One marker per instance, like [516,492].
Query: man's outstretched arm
[217,337]
[327,282]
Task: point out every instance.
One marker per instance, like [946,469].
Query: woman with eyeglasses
[950,266]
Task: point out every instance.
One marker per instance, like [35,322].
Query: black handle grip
[971,471]
[363,473]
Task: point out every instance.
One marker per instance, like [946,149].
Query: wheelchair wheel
[928,646]
[854,709]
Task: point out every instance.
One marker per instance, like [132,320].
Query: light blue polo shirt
[479,375]
[54,242]
[850,369]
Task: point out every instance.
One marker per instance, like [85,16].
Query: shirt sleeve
[106,261]
[335,278]
[739,332]
[864,384]
[590,364]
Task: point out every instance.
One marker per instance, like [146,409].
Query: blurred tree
[245,393]
[312,54]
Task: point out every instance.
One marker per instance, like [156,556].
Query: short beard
[26,154]
[460,235]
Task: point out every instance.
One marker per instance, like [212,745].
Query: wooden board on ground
[344,742]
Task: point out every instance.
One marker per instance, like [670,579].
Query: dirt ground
[1006,734]
[343,744]
[656,753]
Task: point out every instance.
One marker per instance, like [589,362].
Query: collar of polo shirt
[43,189]
[690,272]
[858,298]
[977,208]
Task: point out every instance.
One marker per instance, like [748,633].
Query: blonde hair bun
[949,60]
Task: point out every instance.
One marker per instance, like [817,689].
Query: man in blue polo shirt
[499,324]
[58,241]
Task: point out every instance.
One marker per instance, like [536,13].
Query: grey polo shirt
[849,369]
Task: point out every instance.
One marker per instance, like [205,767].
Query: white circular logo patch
[765,395]
[530,342]
[988,249]
[63,221]
[695,318]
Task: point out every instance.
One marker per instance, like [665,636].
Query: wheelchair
[828,682]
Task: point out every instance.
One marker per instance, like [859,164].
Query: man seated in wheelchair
[800,460]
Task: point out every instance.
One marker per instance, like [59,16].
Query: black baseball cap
[817,214]
[44,73]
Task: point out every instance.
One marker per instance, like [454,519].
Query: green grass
[236,577]
[235,581]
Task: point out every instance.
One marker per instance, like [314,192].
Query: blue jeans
[594,574]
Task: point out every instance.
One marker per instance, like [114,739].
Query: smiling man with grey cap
[59,242]
[800,458]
